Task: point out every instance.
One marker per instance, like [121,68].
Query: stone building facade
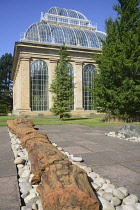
[36,56]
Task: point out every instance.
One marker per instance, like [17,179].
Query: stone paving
[9,191]
[110,157]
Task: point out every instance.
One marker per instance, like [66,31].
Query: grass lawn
[92,121]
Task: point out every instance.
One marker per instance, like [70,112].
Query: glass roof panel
[70,36]
[44,32]
[81,38]
[57,34]
[51,33]
[66,12]
[92,39]
[32,33]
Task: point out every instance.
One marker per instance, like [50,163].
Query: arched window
[39,86]
[71,72]
[88,77]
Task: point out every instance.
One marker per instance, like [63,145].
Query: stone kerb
[61,184]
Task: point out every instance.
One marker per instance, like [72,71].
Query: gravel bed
[109,196]
[128,132]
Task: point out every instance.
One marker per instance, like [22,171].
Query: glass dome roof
[50,33]
[66,12]
[68,26]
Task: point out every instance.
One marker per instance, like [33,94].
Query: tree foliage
[5,83]
[62,85]
[117,86]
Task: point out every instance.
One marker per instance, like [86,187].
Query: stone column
[51,67]
[78,92]
[14,94]
[16,91]
[23,86]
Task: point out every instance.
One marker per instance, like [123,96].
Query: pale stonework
[25,53]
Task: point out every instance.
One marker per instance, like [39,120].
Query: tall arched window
[71,72]
[88,77]
[39,86]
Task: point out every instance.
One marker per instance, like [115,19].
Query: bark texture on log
[62,185]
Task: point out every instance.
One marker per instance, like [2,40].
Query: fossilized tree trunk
[62,185]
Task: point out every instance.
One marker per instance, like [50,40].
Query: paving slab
[133,165]
[9,191]
[76,150]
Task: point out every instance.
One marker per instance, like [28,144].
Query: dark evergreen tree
[5,83]
[62,86]
[117,86]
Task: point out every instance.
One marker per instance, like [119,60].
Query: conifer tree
[62,86]
[6,83]
[117,86]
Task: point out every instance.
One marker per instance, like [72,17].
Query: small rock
[25,187]
[39,203]
[115,201]
[105,186]
[27,167]
[33,190]
[23,179]
[77,159]
[32,200]
[34,206]
[29,197]
[19,160]
[54,144]
[109,190]
[99,181]
[118,207]
[112,186]
[108,206]
[131,199]
[21,154]
[35,185]
[117,193]
[137,205]
[93,175]
[23,208]
[20,171]
[129,207]
[100,192]
[60,148]
[67,154]
[123,190]
[102,200]
[25,173]
[108,196]
[108,181]
[15,153]
[19,166]
[31,176]
[25,194]
[95,186]
[29,163]
[86,168]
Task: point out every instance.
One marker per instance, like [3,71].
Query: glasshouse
[36,56]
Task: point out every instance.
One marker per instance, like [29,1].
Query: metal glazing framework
[88,79]
[66,12]
[63,25]
[71,73]
[39,86]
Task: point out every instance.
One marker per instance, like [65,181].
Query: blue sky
[17,15]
